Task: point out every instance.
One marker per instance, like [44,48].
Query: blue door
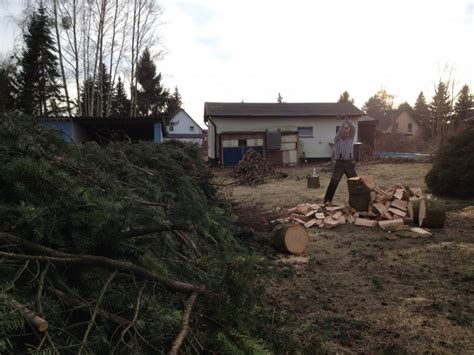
[232,155]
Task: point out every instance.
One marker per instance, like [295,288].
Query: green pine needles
[121,249]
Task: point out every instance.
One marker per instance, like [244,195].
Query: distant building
[182,127]
[100,129]
[399,121]
[283,133]
[367,127]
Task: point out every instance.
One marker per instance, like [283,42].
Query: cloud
[200,14]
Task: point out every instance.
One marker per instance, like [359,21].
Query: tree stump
[427,213]
[359,194]
[290,238]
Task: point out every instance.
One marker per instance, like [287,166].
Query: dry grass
[361,293]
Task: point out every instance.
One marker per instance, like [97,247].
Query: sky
[307,50]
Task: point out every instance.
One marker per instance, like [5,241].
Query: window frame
[311,135]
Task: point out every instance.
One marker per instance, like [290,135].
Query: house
[399,121]
[100,129]
[283,133]
[366,134]
[183,128]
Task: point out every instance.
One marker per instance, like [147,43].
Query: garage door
[232,155]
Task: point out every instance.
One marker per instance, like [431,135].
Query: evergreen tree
[120,101]
[464,106]
[152,97]
[345,97]
[39,93]
[422,115]
[279,98]
[8,86]
[440,109]
[405,106]
[378,104]
[173,104]
[101,89]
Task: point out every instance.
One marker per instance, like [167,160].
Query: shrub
[452,173]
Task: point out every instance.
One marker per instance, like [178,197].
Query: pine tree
[464,106]
[345,97]
[440,109]
[151,99]
[422,115]
[120,101]
[279,98]
[378,104]
[8,86]
[39,93]
[173,104]
[101,89]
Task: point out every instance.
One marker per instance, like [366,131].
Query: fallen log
[290,238]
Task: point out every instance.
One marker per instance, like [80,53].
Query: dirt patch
[360,293]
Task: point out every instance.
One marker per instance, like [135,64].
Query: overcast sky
[309,51]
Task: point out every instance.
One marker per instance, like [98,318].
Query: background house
[399,121]
[283,133]
[102,130]
[182,127]
[367,126]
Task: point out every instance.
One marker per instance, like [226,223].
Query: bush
[452,173]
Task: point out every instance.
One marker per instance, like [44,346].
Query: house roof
[111,119]
[187,114]
[367,119]
[234,109]
[388,118]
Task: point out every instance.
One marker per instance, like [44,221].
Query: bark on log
[290,238]
[434,212]
[359,194]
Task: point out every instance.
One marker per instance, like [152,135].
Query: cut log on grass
[364,222]
[350,219]
[422,232]
[391,224]
[290,238]
[432,211]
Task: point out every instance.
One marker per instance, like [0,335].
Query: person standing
[344,145]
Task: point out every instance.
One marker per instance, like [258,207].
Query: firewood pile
[252,169]
[392,209]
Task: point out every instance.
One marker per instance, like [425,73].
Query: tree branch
[96,308]
[184,325]
[93,260]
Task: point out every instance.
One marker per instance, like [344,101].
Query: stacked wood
[390,209]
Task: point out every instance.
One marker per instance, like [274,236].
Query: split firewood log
[427,213]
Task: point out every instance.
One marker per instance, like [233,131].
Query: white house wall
[181,123]
[324,131]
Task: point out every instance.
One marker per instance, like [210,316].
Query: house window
[305,132]
[242,142]
[191,128]
[171,128]
[410,127]
[337,129]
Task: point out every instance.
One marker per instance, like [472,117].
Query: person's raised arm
[352,127]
